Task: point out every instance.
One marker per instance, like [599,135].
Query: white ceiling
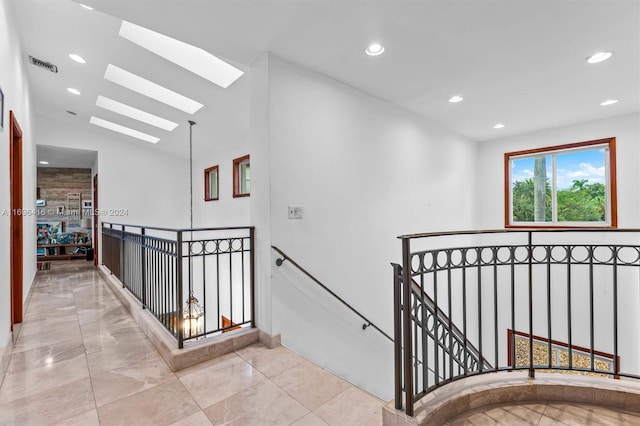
[518,62]
[66,157]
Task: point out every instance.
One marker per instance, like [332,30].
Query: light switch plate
[295,212]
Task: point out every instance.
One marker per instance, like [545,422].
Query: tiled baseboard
[515,387]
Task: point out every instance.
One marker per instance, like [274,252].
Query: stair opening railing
[196,282]
[476,302]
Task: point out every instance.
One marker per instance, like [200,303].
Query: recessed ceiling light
[599,57]
[85,6]
[72,90]
[498,126]
[124,130]
[191,58]
[135,113]
[374,49]
[43,162]
[609,102]
[77,58]
[151,89]
[455,99]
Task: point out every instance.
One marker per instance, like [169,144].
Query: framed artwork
[211,183]
[1,110]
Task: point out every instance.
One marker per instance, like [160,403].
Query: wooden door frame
[17,227]
[96,217]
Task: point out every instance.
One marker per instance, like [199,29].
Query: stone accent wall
[54,185]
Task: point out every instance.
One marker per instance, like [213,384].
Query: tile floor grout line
[86,358]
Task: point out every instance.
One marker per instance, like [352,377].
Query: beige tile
[45,356]
[521,414]
[36,380]
[310,384]
[161,405]
[126,381]
[589,414]
[310,420]
[50,406]
[207,364]
[45,333]
[353,407]
[220,380]
[270,362]
[90,418]
[264,403]
[108,352]
[197,419]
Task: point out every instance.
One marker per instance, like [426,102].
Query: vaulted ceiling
[517,62]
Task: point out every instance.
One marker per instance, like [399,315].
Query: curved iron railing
[556,300]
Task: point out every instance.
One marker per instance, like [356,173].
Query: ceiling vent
[43,64]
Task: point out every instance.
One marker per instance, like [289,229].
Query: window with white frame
[571,185]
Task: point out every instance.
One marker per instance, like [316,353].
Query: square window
[571,185]
[241,177]
[211,183]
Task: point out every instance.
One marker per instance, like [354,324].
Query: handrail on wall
[367,323]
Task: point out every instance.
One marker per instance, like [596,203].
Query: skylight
[135,113]
[151,89]
[180,53]
[124,130]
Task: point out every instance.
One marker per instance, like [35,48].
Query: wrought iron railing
[367,323]
[476,302]
[196,282]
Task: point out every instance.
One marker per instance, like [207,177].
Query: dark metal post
[406,316]
[532,371]
[397,333]
[180,317]
[122,257]
[143,265]
[252,244]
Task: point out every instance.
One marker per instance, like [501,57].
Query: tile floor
[546,414]
[80,359]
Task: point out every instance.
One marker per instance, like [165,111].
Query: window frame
[236,176]
[207,185]
[611,185]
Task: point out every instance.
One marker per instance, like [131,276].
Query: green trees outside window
[569,185]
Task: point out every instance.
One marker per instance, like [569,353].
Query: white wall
[490,172]
[364,172]
[490,184]
[226,211]
[17,99]
[138,184]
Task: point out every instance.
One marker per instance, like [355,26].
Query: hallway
[81,359]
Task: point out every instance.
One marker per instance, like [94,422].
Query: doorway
[17,252]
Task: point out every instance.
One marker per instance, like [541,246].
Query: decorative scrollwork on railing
[218,246]
[466,257]
[437,329]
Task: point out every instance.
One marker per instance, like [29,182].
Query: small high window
[211,183]
[571,185]
[241,177]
